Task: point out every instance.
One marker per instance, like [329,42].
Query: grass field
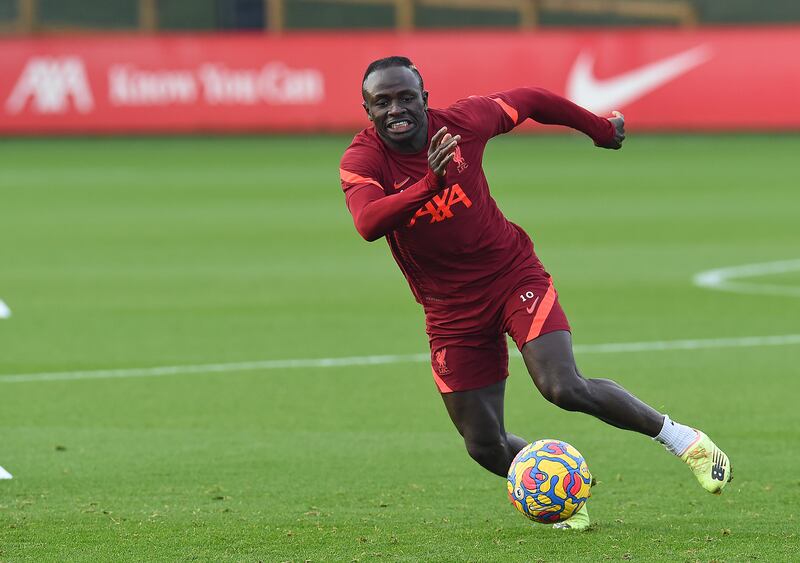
[138,253]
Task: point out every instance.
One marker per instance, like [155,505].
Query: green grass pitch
[135,253]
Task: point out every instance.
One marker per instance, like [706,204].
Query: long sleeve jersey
[448,237]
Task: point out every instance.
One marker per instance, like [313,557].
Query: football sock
[676,437]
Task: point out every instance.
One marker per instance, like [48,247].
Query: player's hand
[441,151]
[618,121]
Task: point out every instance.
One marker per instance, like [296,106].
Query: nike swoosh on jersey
[601,96]
[532,307]
[398,185]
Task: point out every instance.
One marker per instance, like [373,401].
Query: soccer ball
[549,481]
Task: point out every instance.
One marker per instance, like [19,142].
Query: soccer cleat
[708,463]
[578,521]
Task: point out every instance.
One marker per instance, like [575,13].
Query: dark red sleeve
[376,214]
[551,109]
[501,112]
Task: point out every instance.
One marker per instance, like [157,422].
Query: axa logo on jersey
[440,206]
[50,84]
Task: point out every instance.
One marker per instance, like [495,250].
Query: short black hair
[387,62]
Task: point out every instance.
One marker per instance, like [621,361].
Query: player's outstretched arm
[551,109]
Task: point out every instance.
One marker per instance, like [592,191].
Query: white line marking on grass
[4,474]
[722,278]
[5,312]
[215,368]
[610,348]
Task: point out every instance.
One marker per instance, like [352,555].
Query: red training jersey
[451,243]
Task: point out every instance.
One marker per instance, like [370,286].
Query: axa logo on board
[52,84]
[55,85]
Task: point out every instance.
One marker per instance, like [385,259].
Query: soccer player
[416,178]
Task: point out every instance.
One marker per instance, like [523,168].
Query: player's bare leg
[552,366]
[478,417]
[550,361]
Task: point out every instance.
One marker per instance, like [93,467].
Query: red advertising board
[706,79]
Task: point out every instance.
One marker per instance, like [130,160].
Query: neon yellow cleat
[578,521]
[708,463]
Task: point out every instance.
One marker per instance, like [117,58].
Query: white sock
[676,437]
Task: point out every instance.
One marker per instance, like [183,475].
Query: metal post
[148,15]
[276,15]
[404,14]
[528,13]
[28,16]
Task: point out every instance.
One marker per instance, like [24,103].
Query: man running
[416,178]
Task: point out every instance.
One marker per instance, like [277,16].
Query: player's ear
[425,99]
[366,109]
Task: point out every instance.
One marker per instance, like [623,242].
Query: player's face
[397,106]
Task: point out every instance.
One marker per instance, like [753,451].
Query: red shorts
[475,355]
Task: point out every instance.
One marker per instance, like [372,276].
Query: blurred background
[31,16]
[200,358]
[122,66]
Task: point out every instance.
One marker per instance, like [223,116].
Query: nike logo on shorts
[532,307]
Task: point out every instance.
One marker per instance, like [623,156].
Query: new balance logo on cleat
[718,470]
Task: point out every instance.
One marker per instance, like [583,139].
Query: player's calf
[563,386]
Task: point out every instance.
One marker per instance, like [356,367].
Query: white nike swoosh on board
[601,96]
